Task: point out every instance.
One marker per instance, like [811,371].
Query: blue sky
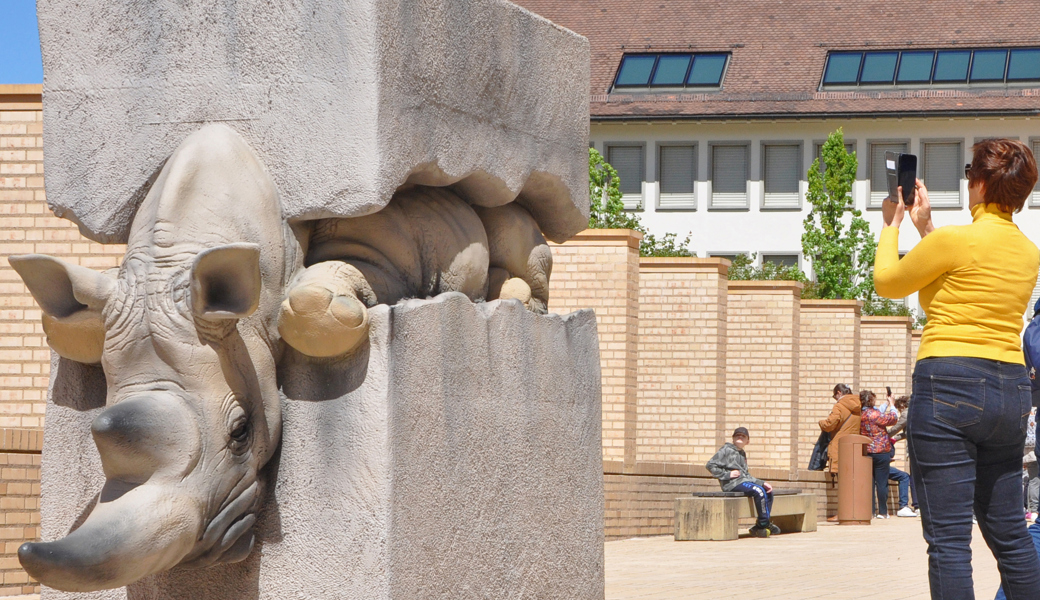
[19,43]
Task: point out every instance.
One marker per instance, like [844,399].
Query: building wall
[764,230]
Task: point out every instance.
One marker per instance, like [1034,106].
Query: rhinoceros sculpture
[214,290]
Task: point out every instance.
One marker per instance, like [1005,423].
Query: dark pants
[966,430]
[763,500]
[881,462]
[905,482]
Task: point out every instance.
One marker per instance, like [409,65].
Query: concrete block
[344,102]
[460,459]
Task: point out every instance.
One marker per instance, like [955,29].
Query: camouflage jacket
[727,459]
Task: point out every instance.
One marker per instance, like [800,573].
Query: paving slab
[886,559]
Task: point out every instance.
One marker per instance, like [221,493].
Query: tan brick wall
[599,269]
[828,354]
[885,359]
[26,226]
[762,373]
[682,358]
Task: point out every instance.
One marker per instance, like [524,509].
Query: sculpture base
[456,456]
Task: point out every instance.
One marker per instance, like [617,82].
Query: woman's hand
[892,210]
[921,211]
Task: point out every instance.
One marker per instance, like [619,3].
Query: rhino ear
[71,298]
[225,282]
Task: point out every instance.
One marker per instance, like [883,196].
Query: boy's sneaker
[906,511]
[762,532]
[882,517]
[774,529]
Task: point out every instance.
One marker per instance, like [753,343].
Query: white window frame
[943,199]
[876,197]
[676,202]
[763,254]
[746,144]
[791,202]
[1034,198]
[633,202]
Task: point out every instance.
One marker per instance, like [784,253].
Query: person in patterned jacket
[729,466]
[873,424]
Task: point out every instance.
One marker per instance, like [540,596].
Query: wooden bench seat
[714,515]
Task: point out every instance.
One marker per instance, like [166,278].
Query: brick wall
[599,269]
[762,374]
[27,226]
[829,348]
[682,357]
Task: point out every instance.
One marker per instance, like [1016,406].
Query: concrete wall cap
[684,264]
[21,96]
[764,287]
[605,237]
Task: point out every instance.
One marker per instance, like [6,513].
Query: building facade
[712,113]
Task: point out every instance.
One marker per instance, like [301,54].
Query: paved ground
[883,560]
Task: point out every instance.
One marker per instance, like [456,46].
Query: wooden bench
[714,515]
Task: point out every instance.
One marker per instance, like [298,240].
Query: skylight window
[1024,65]
[671,70]
[948,66]
[951,66]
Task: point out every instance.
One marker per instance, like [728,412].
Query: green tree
[742,268]
[607,211]
[841,249]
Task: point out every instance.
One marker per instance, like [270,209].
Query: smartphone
[901,170]
[889,390]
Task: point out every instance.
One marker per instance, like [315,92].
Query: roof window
[671,71]
[922,67]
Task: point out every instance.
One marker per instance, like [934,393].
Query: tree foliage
[743,268]
[607,211]
[836,237]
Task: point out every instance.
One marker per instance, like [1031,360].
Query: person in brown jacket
[843,420]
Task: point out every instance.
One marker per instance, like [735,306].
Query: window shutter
[677,168]
[629,163]
[729,167]
[942,172]
[781,176]
[878,179]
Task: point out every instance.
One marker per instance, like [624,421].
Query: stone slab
[716,518]
[457,457]
[344,101]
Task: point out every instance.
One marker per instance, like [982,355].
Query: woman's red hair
[1007,171]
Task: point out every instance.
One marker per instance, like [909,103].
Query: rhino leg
[325,313]
[520,261]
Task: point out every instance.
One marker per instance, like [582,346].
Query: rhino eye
[239,436]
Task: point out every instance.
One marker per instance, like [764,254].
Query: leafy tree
[841,250]
[608,212]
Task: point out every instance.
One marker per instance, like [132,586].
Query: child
[729,466]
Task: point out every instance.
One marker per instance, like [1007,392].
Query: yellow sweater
[975,282]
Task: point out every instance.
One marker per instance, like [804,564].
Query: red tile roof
[779,48]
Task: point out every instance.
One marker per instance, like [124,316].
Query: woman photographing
[971,396]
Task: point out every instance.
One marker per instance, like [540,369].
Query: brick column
[885,354]
[682,358]
[599,269]
[762,356]
[828,354]
[886,358]
[915,345]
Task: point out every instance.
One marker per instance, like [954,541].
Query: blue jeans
[882,460]
[763,500]
[965,430]
[905,484]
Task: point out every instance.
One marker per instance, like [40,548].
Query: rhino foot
[323,314]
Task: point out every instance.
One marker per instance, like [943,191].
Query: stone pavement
[883,560]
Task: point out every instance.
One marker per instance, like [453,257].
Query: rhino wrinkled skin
[214,290]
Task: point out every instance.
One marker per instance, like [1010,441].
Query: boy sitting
[729,466]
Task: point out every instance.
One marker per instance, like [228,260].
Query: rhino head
[186,332]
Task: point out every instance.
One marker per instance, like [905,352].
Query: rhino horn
[144,530]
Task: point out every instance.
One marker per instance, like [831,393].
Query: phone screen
[908,177]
